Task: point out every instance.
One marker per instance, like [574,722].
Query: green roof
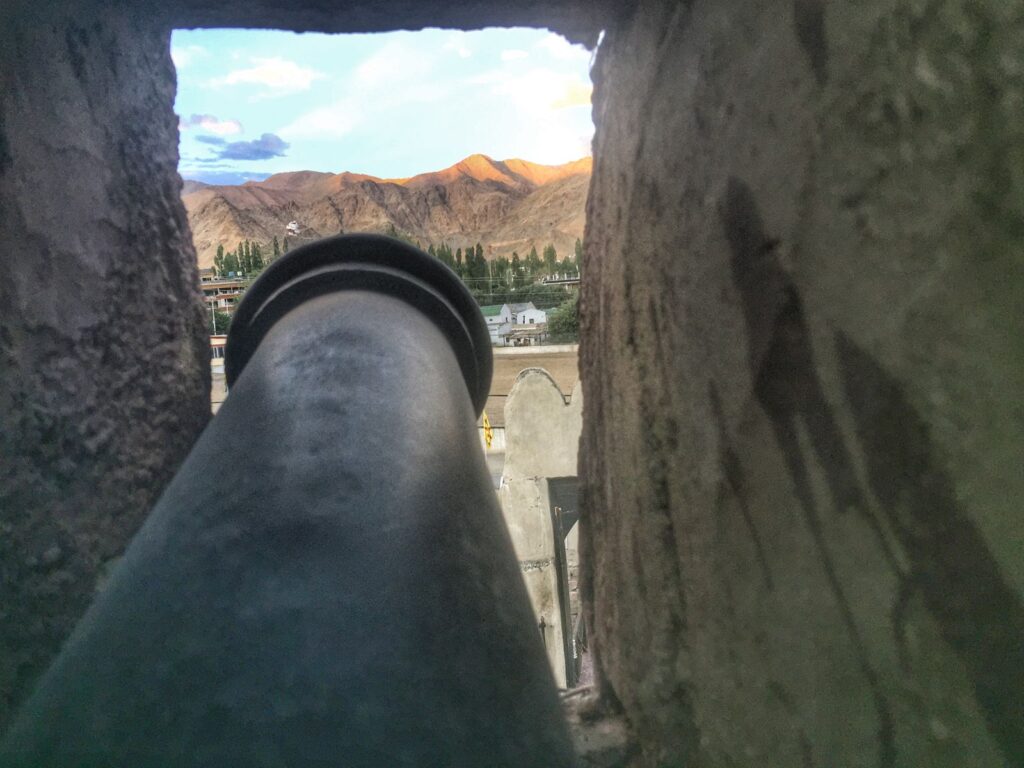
[491,310]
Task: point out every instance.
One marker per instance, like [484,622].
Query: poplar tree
[517,271]
[533,264]
[218,262]
[231,263]
[550,259]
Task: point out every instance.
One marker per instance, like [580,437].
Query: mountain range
[506,205]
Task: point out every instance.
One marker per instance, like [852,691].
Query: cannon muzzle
[328,579]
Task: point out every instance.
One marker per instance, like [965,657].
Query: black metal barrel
[328,580]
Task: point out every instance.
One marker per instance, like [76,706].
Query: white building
[531,316]
[499,322]
[504,319]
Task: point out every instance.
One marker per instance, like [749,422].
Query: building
[526,335]
[499,322]
[522,322]
[531,316]
[496,314]
[224,294]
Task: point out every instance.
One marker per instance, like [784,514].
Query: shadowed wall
[104,363]
[801,353]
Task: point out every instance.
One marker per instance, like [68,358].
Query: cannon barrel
[328,579]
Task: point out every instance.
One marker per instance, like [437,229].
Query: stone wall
[104,375]
[802,347]
[542,440]
[578,20]
[803,353]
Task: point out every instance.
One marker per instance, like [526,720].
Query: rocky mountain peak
[507,205]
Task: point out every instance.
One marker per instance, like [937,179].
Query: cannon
[328,579]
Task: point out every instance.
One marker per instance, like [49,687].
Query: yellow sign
[488,432]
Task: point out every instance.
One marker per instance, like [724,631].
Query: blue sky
[253,102]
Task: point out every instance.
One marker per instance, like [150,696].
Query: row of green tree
[247,260]
[218,322]
[564,321]
[506,280]
[502,280]
[503,271]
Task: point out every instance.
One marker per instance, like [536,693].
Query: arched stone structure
[542,435]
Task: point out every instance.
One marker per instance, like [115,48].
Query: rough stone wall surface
[104,378]
[803,353]
[578,20]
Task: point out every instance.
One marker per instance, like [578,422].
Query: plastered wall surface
[104,379]
[802,348]
[542,433]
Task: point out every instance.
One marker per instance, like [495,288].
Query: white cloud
[457,43]
[555,142]
[395,63]
[395,76]
[553,133]
[210,124]
[539,89]
[574,93]
[512,54]
[560,48]
[183,55]
[332,121]
[279,75]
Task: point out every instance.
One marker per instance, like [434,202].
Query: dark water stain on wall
[787,387]
[77,41]
[809,23]
[951,566]
[732,470]
[5,153]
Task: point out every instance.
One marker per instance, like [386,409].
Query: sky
[253,102]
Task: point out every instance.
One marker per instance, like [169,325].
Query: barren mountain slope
[505,205]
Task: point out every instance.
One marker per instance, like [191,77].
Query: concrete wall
[803,353]
[541,439]
[541,429]
[104,378]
